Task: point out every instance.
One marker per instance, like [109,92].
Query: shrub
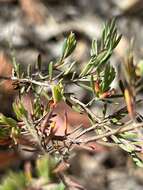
[39,128]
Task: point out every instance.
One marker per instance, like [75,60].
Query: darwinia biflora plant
[38,129]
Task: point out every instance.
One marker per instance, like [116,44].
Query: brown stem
[110,133]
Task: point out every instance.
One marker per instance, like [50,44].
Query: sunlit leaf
[69,45]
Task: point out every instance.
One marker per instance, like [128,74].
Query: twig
[113,132]
[86,131]
[75,130]
[31,81]
[26,80]
[97,119]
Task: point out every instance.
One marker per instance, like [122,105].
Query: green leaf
[85,86]
[16,65]
[128,147]
[45,166]
[94,48]
[37,108]
[29,70]
[129,136]
[140,67]
[61,186]
[103,57]
[57,93]
[16,110]
[50,70]
[110,38]
[14,181]
[138,161]
[92,84]
[39,62]
[117,41]
[19,110]
[102,50]
[88,68]
[69,46]
[108,77]
[70,68]
[8,121]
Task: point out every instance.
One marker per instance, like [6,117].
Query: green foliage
[60,187]
[4,132]
[140,68]
[50,70]
[8,121]
[39,62]
[45,166]
[21,181]
[96,77]
[102,50]
[39,129]
[10,128]
[108,77]
[110,37]
[57,92]
[14,181]
[19,110]
[69,46]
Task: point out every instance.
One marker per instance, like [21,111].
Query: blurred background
[30,27]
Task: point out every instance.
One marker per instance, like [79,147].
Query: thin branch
[86,131]
[31,81]
[75,130]
[26,80]
[113,132]
[97,119]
